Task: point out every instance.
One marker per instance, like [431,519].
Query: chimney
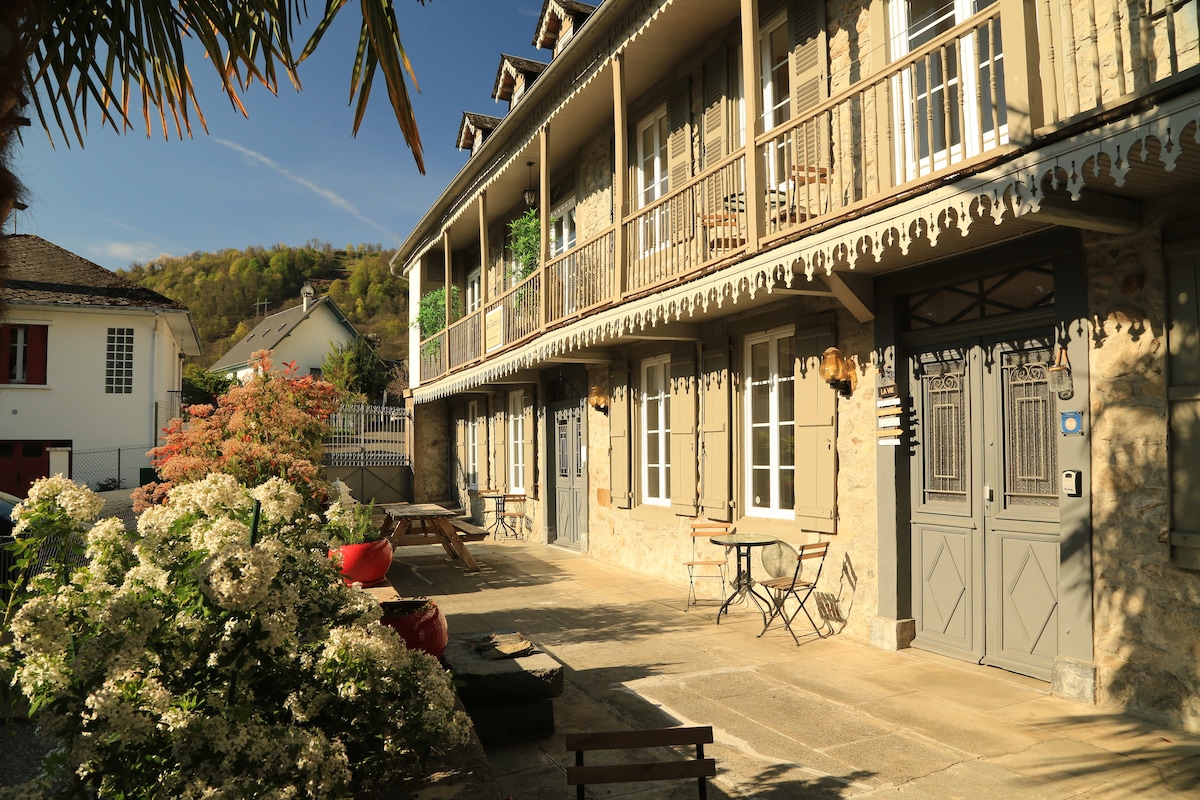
[307,293]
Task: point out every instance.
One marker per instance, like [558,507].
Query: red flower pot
[420,623]
[366,563]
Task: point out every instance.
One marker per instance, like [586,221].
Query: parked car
[7,501]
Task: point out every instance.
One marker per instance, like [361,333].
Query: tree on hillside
[123,60]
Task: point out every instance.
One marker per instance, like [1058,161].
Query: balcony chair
[699,568]
[790,579]
[700,768]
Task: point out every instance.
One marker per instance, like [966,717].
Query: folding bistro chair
[512,516]
[706,568]
[700,768]
[789,578]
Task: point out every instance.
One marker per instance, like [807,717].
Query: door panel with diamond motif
[985,504]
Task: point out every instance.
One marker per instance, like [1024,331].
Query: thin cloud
[176,246]
[126,251]
[332,197]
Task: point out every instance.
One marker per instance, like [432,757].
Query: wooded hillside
[225,291]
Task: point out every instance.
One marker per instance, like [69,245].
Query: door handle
[988,494]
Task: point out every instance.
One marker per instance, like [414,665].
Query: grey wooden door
[985,529]
[569,437]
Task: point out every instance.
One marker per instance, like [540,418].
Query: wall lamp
[837,371]
[1058,377]
[597,399]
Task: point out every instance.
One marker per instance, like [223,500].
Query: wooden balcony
[1012,73]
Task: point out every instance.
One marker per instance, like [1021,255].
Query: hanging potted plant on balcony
[357,543]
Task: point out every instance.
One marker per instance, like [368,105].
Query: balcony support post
[449,273]
[752,94]
[1022,87]
[621,160]
[544,217]
[485,288]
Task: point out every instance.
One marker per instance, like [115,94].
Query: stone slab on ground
[525,678]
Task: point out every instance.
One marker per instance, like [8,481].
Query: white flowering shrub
[208,655]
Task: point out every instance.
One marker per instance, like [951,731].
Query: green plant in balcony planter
[431,316]
[525,240]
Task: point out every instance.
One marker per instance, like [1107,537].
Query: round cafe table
[743,584]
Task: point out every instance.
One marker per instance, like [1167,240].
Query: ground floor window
[516,442]
[655,425]
[769,434]
[472,465]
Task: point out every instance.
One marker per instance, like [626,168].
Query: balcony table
[743,584]
[410,524]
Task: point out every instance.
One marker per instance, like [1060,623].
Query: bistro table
[425,523]
[743,584]
[494,498]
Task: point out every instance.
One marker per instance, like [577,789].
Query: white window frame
[516,442]
[774,424]
[472,465]
[965,80]
[118,361]
[776,91]
[653,179]
[474,289]
[656,397]
[562,227]
[18,344]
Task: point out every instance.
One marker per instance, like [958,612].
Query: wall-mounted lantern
[837,371]
[1058,377]
[597,399]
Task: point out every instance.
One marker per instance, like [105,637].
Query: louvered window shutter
[816,436]
[716,423]
[35,354]
[806,26]
[460,448]
[683,431]
[679,162]
[619,405]
[530,445]
[500,437]
[716,91]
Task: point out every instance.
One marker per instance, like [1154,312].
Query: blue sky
[291,172]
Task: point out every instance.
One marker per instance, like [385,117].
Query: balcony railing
[937,109]
[580,279]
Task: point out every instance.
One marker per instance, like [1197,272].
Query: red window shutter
[35,354]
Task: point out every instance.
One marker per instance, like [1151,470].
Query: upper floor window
[653,172]
[776,84]
[770,430]
[656,431]
[562,227]
[474,289]
[23,359]
[118,361]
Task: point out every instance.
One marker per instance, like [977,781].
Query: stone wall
[431,451]
[1147,612]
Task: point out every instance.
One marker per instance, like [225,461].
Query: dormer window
[515,76]
[560,20]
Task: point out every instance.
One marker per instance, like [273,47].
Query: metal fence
[368,436]
[111,468]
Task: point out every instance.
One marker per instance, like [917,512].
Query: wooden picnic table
[410,524]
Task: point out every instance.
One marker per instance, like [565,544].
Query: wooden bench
[468,531]
[700,768]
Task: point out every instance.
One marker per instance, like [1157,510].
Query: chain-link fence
[111,468]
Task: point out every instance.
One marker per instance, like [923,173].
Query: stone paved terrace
[829,719]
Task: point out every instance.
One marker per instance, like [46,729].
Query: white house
[90,367]
[306,334]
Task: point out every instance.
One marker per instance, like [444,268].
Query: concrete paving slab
[830,719]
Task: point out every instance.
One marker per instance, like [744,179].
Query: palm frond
[108,57]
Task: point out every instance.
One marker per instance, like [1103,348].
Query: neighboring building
[305,333]
[90,363]
[988,207]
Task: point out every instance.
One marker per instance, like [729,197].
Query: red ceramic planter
[420,623]
[366,563]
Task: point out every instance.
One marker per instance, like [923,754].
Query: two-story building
[986,207]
